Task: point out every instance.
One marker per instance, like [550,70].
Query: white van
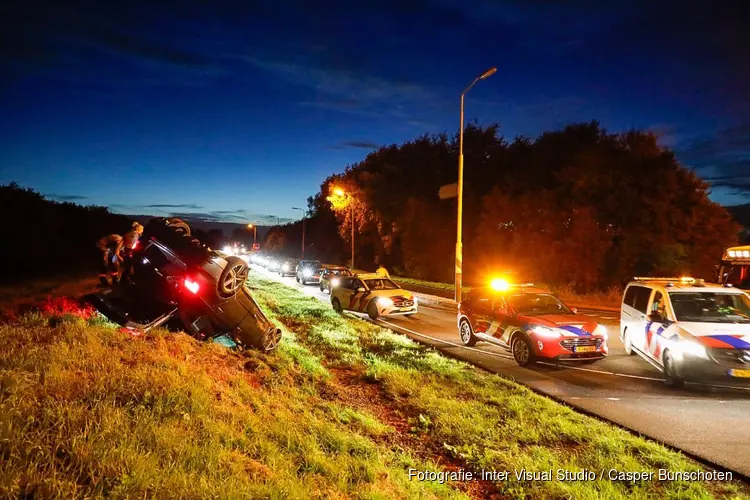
[688,329]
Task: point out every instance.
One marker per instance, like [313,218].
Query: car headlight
[335,282]
[307,273]
[227,249]
[690,348]
[602,330]
[543,331]
[385,302]
[285,267]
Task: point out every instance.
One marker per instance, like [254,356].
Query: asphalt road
[707,421]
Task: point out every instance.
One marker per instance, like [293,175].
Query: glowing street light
[304,217]
[459,228]
[341,193]
[255,232]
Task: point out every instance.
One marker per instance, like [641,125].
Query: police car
[531,323]
[688,329]
[373,294]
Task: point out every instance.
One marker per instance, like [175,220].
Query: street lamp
[304,217]
[255,232]
[459,249]
[340,192]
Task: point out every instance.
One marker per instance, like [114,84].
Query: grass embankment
[472,418]
[23,296]
[88,410]
[608,298]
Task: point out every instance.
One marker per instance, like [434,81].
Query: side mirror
[574,310]
[360,289]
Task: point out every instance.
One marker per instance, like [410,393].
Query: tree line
[579,207]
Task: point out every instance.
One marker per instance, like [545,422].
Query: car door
[634,311]
[157,273]
[481,305]
[356,297]
[500,320]
[656,322]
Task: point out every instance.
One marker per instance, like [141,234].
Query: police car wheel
[627,343]
[522,351]
[467,336]
[372,310]
[670,372]
[336,305]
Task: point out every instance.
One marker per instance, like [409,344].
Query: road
[708,422]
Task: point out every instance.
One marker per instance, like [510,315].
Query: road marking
[614,399]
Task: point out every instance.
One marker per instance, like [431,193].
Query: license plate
[740,373]
[585,348]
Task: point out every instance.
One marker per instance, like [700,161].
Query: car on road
[331,275]
[308,271]
[735,267]
[288,267]
[372,294]
[175,277]
[688,329]
[530,322]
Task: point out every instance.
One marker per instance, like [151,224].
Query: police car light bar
[737,254]
[684,279]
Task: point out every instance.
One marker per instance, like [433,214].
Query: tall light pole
[304,217]
[340,192]
[255,232]
[459,247]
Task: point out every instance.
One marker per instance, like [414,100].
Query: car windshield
[711,307]
[381,284]
[340,272]
[537,304]
[312,264]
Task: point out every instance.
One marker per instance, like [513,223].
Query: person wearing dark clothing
[126,247]
[110,266]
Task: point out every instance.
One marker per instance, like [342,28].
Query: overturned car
[175,278]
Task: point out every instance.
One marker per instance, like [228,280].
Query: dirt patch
[20,298]
[349,387]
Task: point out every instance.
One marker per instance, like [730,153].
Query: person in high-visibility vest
[382,271]
[126,247]
[110,263]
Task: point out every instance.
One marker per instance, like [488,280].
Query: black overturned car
[177,279]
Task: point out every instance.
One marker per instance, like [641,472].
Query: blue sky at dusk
[238,110]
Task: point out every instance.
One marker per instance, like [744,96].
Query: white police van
[688,329]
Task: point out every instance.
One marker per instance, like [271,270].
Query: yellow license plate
[740,373]
[585,348]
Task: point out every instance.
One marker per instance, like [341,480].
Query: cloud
[355,145]
[721,158]
[166,205]
[66,197]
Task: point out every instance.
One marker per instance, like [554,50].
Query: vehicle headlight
[543,331]
[285,267]
[307,273]
[227,249]
[385,302]
[690,348]
[335,282]
[601,330]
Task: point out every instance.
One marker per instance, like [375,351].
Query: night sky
[237,111]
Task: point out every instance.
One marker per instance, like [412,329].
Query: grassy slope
[341,411]
[609,298]
[481,419]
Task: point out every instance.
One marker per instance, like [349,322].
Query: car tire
[372,310]
[523,353]
[670,372]
[336,303]
[233,277]
[179,225]
[627,343]
[321,287]
[466,333]
[297,278]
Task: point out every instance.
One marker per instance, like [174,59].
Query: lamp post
[255,232]
[459,228]
[340,192]
[304,217]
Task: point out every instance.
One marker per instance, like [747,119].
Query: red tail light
[192,285]
[135,245]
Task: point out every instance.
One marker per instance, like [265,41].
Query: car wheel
[467,336]
[670,371]
[321,287]
[336,303]
[372,310]
[522,351]
[179,225]
[297,278]
[271,340]
[627,343]
[233,277]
